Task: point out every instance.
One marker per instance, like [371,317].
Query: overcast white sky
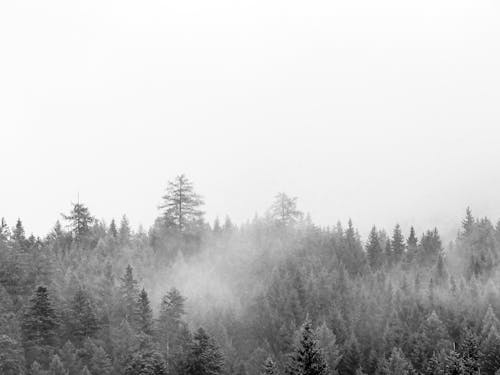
[383,111]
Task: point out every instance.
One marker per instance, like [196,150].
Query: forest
[275,295]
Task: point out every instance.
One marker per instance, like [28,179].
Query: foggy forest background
[275,295]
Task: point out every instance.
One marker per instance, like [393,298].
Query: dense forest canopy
[276,295]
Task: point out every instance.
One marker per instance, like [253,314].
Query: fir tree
[397,243]
[144,313]
[85,371]
[397,364]
[307,357]
[467,222]
[69,358]
[40,324]
[204,357]
[412,245]
[374,250]
[56,367]
[470,352]
[129,294]
[125,231]
[12,360]
[36,369]
[490,350]
[83,321]
[328,343]
[489,321]
[146,363]
[351,358]
[181,205]
[170,323]
[113,232]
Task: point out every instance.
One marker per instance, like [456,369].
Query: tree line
[307,299]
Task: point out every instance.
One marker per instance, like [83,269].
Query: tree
[12,360]
[69,358]
[18,236]
[83,320]
[36,369]
[146,363]
[328,343]
[125,231]
[79,219]
[467,222]
[284,210]
[397,243]
[56,367]
[112,229]
[181,204]
[397,364]
[307,357]
[490,349]
[351,358]
[470,352]
[39,325]
[204,357]
[269,367]
[144,313]
[374,250]
[170,324]
[489,321]
[129,293]
[412,245]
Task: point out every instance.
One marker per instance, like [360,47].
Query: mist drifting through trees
[275,295]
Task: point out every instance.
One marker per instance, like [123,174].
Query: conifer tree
[397,243]
[36,369]
[85,371]
[18,237]
[69,358]
[490,352]
[83,320]
[470,352]
[204,357]
[412,245]
[489,321]
[39,325]
[269,367]
[467,222]
[12,360]
[284,210]
[129,294]
[146,363]
[374,250]
[144,313]
[397,364]
[328,343]
[79,219]
[181,205]
[307,357]
[351,358]
[112,229]
[56,367]
[170,323]
[125,231]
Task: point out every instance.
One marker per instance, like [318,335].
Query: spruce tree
[328,343]
[129,294]
[56,367]
[12,361]
[490,350]
[170,322]
[397,364]
[470,352]
[351,358]
[489,321]
[144,314]
[39,325]
[412,245]
[181,205]
[113,232]
[468,222]
[83,320]
[205,357]
[307,357]
[374,250]
[397,243]
[69,358]
[125,231]
[36,369]
[146,363]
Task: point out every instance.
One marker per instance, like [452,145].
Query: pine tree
[204,357]
[85,371]
[397,364]
[69,358]
[12,360]
[284,210]
[100,363]
[389,254]
[351,358]
[113,232]
[269,367]
[181,204]
[397,243]
[374,250]
[146,363]
[18,237]
[36,369]
[39,325]
[125,231]
[307,357]
[470,352]
[83,320]
[489,321]
[412,245]
[468,222]
[170,323]
[56,367]
[129,294]
[328,343]
[79,220]
[490,350]
[144,313]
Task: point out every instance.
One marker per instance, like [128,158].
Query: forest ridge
[276,295]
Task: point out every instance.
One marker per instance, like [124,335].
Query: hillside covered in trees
[276,295]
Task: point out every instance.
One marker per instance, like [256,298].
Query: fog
[384,112]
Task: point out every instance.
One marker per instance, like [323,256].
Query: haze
[382,111]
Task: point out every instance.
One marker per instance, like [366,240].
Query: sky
[380,111]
